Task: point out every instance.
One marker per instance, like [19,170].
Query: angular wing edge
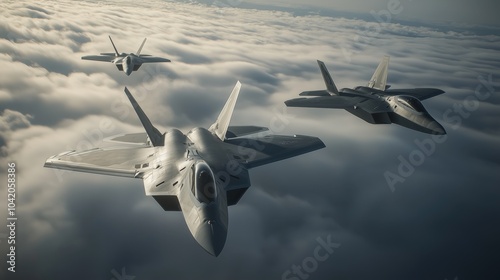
[315,93]
[152,59]
[271,148]
[104,58]
[333,102]
[56,163]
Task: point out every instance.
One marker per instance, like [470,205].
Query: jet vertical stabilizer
[379,78]
[154,134]
[330,85]
[138,53]
[116,51]
[220,126]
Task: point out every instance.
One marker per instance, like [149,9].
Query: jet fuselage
[200,176]
[128,63]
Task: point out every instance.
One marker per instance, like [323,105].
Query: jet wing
[110,161]
[315,93]
[150,59]
[419,93]
[253,152]
[106,58]
[333,101]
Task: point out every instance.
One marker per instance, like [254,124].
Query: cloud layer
[440,222]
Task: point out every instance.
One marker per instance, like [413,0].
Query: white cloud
[52,101]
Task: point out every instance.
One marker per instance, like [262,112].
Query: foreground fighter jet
[375,103]
[126,62]
[200,173]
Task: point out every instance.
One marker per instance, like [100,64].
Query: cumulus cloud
[438,223]
[9,122]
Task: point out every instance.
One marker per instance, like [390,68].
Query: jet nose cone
[437,128]
[211,236]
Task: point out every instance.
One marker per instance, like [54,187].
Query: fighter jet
[126,62]
[200,173]
[375,103]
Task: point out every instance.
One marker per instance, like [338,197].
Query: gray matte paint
[199,173]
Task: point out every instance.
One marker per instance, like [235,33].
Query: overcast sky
[438,220]
[464,11]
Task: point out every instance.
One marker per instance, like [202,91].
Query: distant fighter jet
[375,103]
[199,173]
[126,62]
